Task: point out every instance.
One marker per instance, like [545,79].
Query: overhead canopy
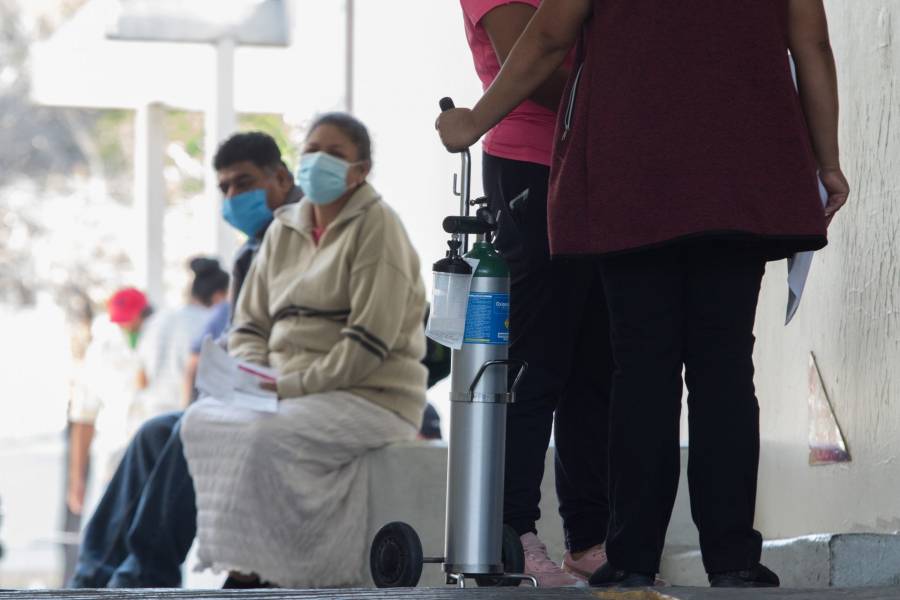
[81,65]
[248,22]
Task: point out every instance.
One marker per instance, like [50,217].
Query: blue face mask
[322,177]
[247,212]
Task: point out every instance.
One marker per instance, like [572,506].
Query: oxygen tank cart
[477,544]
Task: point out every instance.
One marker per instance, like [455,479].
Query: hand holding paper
[233,381]
[798,269]
[837,191]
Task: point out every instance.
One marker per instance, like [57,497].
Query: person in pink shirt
[687,158]
[558,318]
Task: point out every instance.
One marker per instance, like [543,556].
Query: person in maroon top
[685,159]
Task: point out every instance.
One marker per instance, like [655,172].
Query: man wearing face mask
[255,182]
[144,525]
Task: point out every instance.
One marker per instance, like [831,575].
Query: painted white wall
[850,316]
[404,65]
[311,78]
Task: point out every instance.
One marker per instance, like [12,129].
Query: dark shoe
[609,576]
[233,583]
[756,576]
[84,582]
[130,575]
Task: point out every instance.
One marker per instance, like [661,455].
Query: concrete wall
[849,317]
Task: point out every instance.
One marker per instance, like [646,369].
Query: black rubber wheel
[513,557]
[396,556]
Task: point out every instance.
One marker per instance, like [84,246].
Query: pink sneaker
[539,565]
[585,566]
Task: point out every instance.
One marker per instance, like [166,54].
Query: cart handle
[465,187]
[446,103]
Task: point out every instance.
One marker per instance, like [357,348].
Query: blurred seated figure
[334,302]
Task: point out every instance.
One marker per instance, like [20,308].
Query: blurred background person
[216,324]
[80,314]
[127,379]
[109,383]
[165,349]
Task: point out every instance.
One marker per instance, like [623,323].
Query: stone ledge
[408,483]
[843,560]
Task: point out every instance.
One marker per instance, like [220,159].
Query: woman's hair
[349,126]
[209,279]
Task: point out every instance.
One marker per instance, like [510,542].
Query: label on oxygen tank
[487,318]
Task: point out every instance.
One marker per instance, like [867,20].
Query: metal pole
[219,123]
[349,58]
[149,198]
[465,192]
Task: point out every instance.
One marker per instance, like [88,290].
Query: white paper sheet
[233,381]
[798,271]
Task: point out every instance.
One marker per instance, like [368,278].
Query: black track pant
[691,307]
[559,324]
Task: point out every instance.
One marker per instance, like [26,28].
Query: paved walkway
[673,593]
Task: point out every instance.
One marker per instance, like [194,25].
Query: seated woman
[334,302]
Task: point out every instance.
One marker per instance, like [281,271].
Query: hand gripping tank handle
[508,397]
[464,191]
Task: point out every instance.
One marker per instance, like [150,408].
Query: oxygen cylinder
[470,314]
[479,397]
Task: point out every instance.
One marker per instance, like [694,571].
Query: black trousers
[688,306]
[559,325]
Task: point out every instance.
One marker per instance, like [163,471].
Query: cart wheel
[396,556]
[513,556]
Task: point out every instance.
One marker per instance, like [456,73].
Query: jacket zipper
[570,109]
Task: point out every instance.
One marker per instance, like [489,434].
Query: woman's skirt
[284,495]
